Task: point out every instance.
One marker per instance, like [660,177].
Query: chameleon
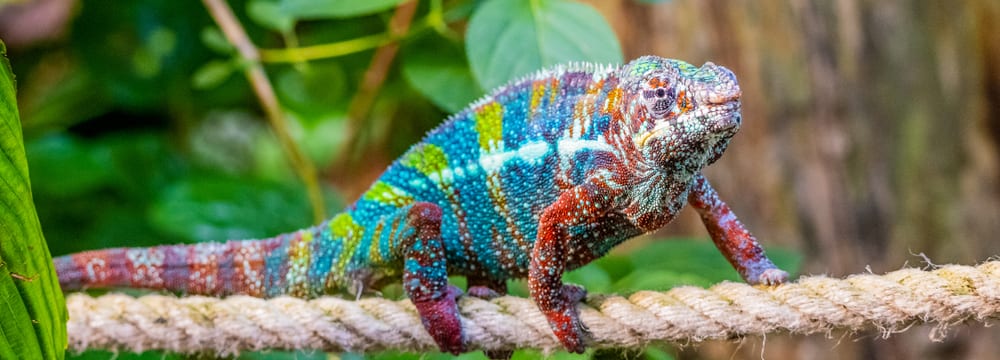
[539,177]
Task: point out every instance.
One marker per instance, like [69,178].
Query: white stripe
[569,147]
[530,152]
[491,162]
[533,151]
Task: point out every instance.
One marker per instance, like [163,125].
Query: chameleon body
[542,176]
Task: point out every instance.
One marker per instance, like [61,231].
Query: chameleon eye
[660,92]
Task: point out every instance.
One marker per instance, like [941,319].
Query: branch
[231,27]
[373,79]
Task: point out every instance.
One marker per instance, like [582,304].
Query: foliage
[33,314]
[509,39]
[141,129]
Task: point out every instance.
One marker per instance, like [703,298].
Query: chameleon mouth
[729,122]
[724,117]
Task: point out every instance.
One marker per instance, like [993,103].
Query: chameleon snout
[719,85]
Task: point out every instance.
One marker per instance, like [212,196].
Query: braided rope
[945,296]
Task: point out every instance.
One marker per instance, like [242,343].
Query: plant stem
[323,51]
[373,79]
[437,20]
[231,27]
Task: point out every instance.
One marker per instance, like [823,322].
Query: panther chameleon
[541,176]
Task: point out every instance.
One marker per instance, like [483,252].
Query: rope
[945,296]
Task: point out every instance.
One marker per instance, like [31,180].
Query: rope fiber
[946,296]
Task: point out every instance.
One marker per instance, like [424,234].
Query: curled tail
[285,264]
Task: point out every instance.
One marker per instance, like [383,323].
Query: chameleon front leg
[731,237]
[425,279]
[584,204]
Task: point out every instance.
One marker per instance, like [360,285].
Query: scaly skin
[542,176]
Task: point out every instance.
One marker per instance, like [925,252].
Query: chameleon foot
[771,277]
[565,319]
[440,318]
[483,292]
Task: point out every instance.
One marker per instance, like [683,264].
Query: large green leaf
[702,258]
[270,15]
[214,208]
[511,38]
[32,309]
[438,70]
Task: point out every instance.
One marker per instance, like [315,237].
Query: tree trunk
[870,136]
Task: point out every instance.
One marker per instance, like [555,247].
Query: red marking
[426,218]
[203,277]
[248,267]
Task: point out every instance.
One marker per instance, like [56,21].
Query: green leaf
[284,355]
[438,70]
[213,39]
[212,74]
[522,354]
[702,259]
[212,208]
[511,38]
[593,278]
[32,309]
[316,92]
[71,101]
[334,9]
[659,280]
[64,166]
[616,266]
[655,353]
[269,14]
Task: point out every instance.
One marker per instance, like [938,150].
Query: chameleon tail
[233,267]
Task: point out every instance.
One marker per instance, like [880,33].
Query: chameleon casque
[540,177]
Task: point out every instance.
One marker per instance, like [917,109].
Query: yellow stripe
[299,255]
[489,125]
[349,232]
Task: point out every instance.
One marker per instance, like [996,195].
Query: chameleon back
[494,167]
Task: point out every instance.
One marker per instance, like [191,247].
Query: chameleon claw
[574,293]
[440,318]
[771,277]
[483,292]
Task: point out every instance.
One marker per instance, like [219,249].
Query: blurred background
[870,132]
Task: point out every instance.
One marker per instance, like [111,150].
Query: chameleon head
[681,116]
